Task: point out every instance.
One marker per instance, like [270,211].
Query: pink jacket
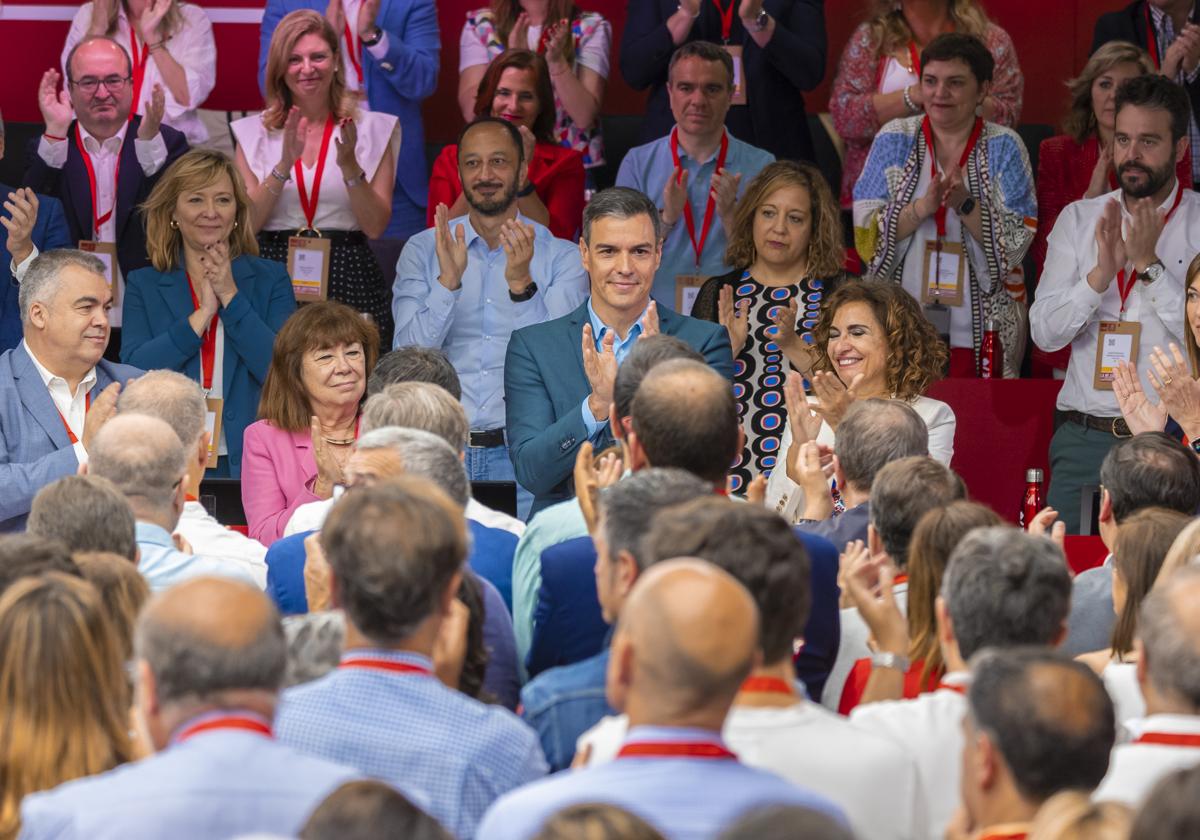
[278,473]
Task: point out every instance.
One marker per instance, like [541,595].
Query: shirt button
[387,65]
[489,300]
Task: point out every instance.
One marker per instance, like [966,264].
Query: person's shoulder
[192,13]
[932,411]
[550,686]
[147,275]
[1119,18]
[379,124]
[252,265]
[1059,145]
[118,372]
[753,157]
[554,329]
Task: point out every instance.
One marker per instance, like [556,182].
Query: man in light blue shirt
[465,285]
[697,172]
[686,639]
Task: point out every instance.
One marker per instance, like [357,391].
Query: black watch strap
[521,297]
[967,206]
[374,39]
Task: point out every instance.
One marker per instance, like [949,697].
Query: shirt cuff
[54,154]
[380,49]
[151,154]
[589,420]
[19,268]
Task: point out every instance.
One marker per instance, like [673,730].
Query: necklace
[338,441]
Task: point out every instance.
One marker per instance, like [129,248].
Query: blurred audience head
[1072,815]
[1143,542]
[143,457]
[871,435]
[414,364]
[1147,470]
[1168,645]
[596,821]
[391,451]
[903,491]
[366,810]
[786,822]
[25,555]
[122,590]
[1172,810]
[85,513]
[418,405]
[646,353]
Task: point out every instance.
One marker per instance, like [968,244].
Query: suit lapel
[129,178]
[575,326]
[36,398]
[78,187]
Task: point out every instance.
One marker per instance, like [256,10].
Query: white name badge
[944,273]
[212,425]
[106,252]
[687,287]
[308,265]
[1118,343]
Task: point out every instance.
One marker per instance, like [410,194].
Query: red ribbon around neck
[711,206]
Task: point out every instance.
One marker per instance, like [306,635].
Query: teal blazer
[155,333]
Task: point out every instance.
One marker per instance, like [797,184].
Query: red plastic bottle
[991,353]
[1033,501]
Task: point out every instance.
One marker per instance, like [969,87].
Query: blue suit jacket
[34,447]
[395,84]
[49,232]
[156,334]
[545,385]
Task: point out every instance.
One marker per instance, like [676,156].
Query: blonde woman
[208,306]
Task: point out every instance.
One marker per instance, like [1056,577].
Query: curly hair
[890,31]
[916,355]
[1080,121]
[825,249]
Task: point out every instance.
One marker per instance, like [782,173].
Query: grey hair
[142,456]
[874,433]
[426,455]
[418,405]
[1172,652]
[314,645]
[84,513]
[44,277]
[170,396]
[630,505]
[620,203]
[1004,588]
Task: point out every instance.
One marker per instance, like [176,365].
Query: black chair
[222,498]
[620,135]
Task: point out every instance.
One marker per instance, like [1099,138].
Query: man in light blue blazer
[558,376]
[210,661]
[398,60]
[56,389]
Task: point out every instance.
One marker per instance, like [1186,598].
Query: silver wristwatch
[760,22]
[886,659]
[1152,272]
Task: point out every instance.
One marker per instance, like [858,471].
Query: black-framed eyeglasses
[90,84]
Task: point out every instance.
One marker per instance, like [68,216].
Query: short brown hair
[825,248]
[294,26]
[195,170]
[1142,545]
[122,589]
[543,123]
[705,51]
[1193,351]
[284,401]
[1080,121]
[916,355]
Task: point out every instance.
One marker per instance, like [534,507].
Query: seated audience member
[207,305]
[1002,588]
[786,822]
[1036,724]
[178,401]
[143,457]
[308,416]
[903,492]
[65,712]
[872,340]
[934,539]
[122,589]
[564,702]
[555,401]
[879,74]
[314,645]
[1167,29]
[1170,811]
[596,821]
[210,658]
[1168,659]
[175,48]
[517,87]
[396,552]
[56,390]
[467,284]
[1071,815]
[85,513]
[1147,470]
[89,133]
[786,247]
[783,48]
[354,175]
[687,638]
[27,555]
[1080,291]
[367,810]
[391,67]
[696,169]
[771,725]
[949,188]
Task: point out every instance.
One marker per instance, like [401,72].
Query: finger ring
[1167,380]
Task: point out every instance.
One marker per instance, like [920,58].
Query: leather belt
[486,439]
[1115,426]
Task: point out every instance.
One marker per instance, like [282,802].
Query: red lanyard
[1168,739]
[310,207]
[353,52]
[138,59]
[710,208]
[97,219]
[373,664]
[675,749]
[1125,285]
[242,722]
[726,20]
[957,689]
[900,578]
[1151,38]
[915,57]
[927,130]
[1005,835]
[87,406]
[208,343]
[766,685]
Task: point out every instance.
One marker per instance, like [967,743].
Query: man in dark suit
[1170,31]
[556,399]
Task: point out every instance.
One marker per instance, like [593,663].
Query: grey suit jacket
[34,447]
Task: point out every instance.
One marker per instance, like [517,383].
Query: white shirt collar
[112,145]
[49,378]
[1165,206]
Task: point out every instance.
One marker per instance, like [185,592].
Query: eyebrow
[88,300]
[618,247]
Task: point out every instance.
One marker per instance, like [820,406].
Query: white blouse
[377,135]
[192,46]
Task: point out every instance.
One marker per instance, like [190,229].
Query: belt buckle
[1120,429]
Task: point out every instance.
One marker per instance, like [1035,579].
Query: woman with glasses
[169,43]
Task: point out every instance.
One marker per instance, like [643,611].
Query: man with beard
[1116,268]
[465,285]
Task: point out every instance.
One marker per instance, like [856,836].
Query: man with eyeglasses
[103,163]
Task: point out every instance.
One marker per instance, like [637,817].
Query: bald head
[1169,626]
[171,397]
[144,458]
[688,635]
[210,635]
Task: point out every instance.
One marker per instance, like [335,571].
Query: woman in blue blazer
[208,306]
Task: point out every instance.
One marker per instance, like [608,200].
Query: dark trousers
[1076,453]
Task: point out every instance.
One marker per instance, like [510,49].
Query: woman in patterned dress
[787,240]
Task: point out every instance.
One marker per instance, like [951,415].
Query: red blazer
[556,173]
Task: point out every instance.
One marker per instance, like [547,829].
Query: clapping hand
[451,250]
[723,187]
[1140,414]
[347,148]
[316,575]
[798,352]
[1099,184]
[22,208]
[810,470]
[650,321]
[804,422]
[601,369]
[1183,53]
[517,239]
[368,12]
[218,271]
[294,129]
[956,189]
[833,396]
[1145,227]
[518,36]
[734,318]
[152,17]
[935,196]
[152,119]
[675,196]
[556,42]
[868,582]
[1178,392]
[1044,524]
[54,104]
[329,471]
[336,16]
[1110,247]
[591,476]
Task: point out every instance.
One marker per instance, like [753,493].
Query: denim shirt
[563,703]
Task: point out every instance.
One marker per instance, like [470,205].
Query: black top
[705,306]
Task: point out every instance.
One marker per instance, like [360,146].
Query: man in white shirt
[55,389]
[1002,588]
[1115,266]
[1168,670]
[178,400]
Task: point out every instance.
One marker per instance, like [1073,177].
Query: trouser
[1076,453]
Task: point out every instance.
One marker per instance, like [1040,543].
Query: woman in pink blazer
[308,416]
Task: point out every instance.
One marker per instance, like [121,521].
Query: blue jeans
[493,464]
